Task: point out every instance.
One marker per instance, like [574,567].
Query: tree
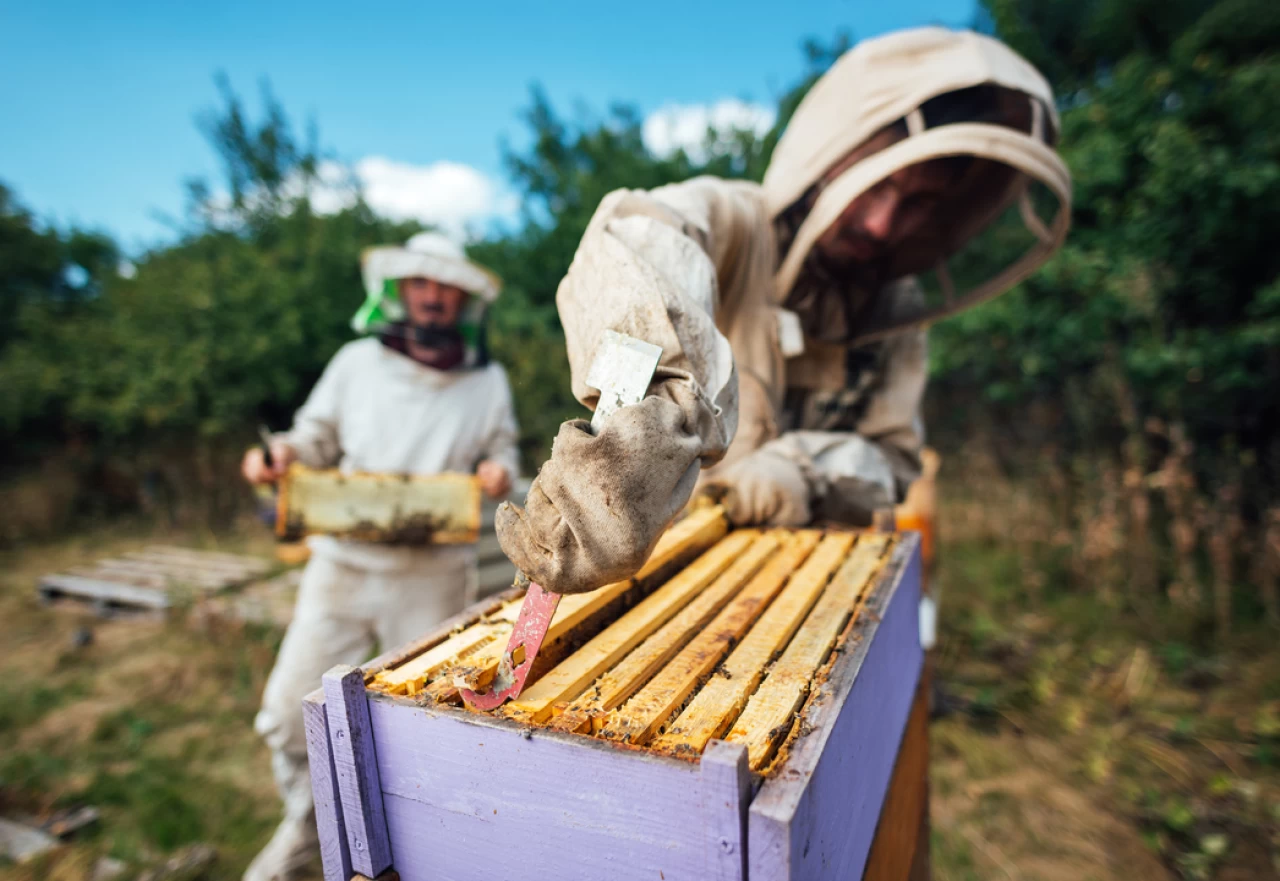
[228,326]
[1169,281]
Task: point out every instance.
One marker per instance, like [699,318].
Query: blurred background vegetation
[1128,387]
[1110,522]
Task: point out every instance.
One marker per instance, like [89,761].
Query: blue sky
[98,101]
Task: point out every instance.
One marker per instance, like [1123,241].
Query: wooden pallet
[153,578]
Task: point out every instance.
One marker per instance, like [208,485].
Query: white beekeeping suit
[803,399]
[377,410]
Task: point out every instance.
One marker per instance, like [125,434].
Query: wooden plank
[724,766]
[475,671]
[173,571]
[159,582]
[204,559]
[639,719]
[121,569]
[390,508]
[567,680]
[413,676]
[198,554]
[619,683]
[478,669]
[212,568]
[816,818]
[717,705]
[356,767]
[686,538]
[52,586]
[335,857]
[398,655]
[473,798]
[771,710]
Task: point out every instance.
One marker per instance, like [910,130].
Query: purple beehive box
[437,793]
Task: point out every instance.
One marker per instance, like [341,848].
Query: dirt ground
[1071,747]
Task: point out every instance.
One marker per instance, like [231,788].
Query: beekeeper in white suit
[793,354]
[417,396]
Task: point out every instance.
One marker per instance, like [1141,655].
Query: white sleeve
[502,445]
[646,267]
[316,426]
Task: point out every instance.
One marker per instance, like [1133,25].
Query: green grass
[952,857]
[22,706]
[160,804]
[151,723]
[1124,702]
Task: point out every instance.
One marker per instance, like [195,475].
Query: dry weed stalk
[1143,575]
[1223,541]
[1267,563]
[1101,533]
[1186,517]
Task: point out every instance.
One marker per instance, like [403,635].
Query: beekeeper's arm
[838,476]
[647,267]
[314,436]
[313,440]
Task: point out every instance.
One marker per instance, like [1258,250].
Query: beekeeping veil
[426,255]
[889,80]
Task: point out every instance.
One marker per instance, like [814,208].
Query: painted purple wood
[356,769]
[470,798]
[466,797]
[727,767]
[334,855]
[817,818]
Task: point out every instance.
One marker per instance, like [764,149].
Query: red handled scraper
[623,368]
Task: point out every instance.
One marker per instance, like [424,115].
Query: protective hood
[887,80]
[426,255]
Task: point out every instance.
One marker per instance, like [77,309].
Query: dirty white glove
[763,489]
[597,507]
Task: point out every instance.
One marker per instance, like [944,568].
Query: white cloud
[678,126]
[449,195]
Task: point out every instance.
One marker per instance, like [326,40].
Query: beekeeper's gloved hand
[597,507]
[765,488]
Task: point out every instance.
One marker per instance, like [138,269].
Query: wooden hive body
[406,780]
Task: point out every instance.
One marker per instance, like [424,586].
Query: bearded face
[904,224]
[429,303]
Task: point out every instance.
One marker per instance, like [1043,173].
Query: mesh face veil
[427,255]
[903,80]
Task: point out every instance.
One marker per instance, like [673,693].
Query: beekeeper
[790,321]
[418,395]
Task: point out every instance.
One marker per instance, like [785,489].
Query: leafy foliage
[229,325]
[1168,287]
